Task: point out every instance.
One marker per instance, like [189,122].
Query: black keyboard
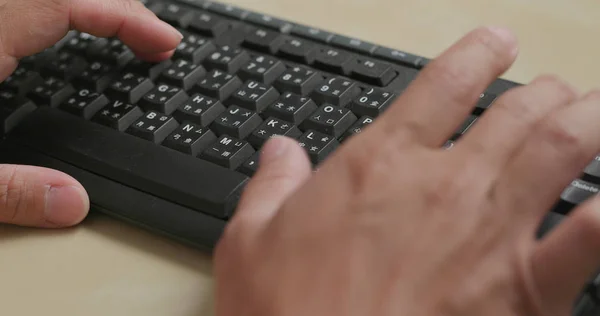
[170,146]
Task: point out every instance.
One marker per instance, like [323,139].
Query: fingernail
[273,149]
[506,36]
[66,205]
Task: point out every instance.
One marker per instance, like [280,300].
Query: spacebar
[134,162]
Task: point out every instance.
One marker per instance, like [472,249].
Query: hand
[42,197]
[392,224]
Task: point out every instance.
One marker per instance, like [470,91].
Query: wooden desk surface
[105,267]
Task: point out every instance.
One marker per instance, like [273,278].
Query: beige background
[105,267]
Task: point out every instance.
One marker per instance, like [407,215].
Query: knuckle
[450,78]
[559,85]
[12,192]
[593,95]
[562,136]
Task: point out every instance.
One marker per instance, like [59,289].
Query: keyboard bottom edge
[190,227]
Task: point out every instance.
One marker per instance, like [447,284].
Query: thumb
[34,196]
[284,166]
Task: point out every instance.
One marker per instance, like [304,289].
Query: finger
[446,91]
[33,196]
[568,257]
[44,23]
[503,128]
[554,154]
[284,166]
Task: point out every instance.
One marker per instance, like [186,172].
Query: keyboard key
[218,84]
[267,21]
[176,15]
[80,43]
[51,92]
[448,145]
[318,145]
[298,50]
[118,115]
[292,108]
[200,110]
[112,51]
[357,128]
[85,103]
[576,193]
[193,48]
[150,70]
[262,68]
[372,102]
[464,128]
[237,122]
[373,72]
[21,81]
[264,40]
[330,119]
[153,126]
[334,60]
[250,167]
[311,33]
[337,91]
[353,44]
[254,96]
[163,98]
[36,61]
[298,80]
[65,66]
[164,173]
[228,152]
[129,87]
[190,138]
[226,10]
[228,59]
[271,127]
[485,101]
[97,76]
[208,24]
[14,109]
[592,170]
[398,57]
[183,74]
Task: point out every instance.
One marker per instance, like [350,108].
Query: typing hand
[34,196]
[392,224]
